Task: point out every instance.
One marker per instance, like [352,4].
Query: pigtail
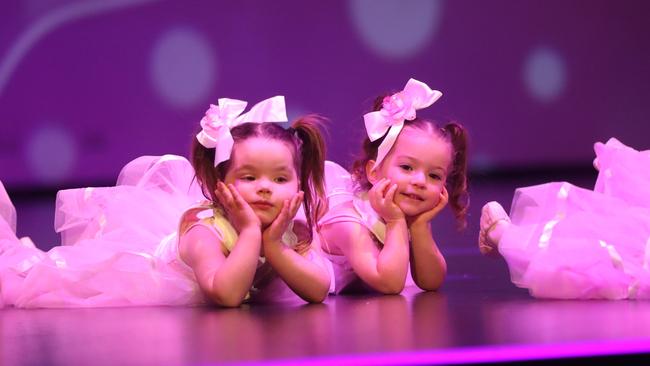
[205,173]
[457,185]
[358,169]
[312,170]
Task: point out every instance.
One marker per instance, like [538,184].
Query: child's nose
[419,178]
[264,186]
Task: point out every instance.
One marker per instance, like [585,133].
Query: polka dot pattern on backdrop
[183,67]
[396,29]
[51,152]
[545,74]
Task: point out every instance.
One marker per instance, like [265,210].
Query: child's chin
[266,220]
[410,212]
[414,211]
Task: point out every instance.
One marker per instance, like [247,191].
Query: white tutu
[119,244]
[573,243]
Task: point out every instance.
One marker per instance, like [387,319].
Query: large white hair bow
[219,119]
[395,110]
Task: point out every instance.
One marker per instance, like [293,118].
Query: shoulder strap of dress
[360,212]
[197,216]
[191,217]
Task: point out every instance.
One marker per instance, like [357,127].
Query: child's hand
[425,217]
[240,213]
[274,232]
[382,200]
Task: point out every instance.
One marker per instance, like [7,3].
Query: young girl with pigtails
[153,239]
[410,168]
[258,186]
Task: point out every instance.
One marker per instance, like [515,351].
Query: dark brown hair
[307,148]
[457,182]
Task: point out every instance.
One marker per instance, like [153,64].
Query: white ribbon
[221,118]
[395,110]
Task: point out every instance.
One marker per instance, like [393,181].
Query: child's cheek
[436,195]
[435,201]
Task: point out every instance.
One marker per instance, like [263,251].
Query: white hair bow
[219,119]
[395,110]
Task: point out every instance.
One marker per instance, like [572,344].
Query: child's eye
[281,180]
[408,168]
[434,176]
[249,178]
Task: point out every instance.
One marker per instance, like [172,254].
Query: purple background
[86,86]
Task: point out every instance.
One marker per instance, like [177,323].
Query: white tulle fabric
[119,244]
[7,210]
[569,242]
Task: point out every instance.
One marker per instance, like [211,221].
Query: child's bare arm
[382,269]
[306,278]
[428,266]
[224,279]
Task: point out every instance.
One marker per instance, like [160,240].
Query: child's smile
[418,164]
[413,196]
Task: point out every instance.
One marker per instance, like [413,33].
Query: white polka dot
[396,29]
[545,74]
[183,68]
[51,152]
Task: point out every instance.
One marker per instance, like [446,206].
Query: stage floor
[478,317]
[467,321]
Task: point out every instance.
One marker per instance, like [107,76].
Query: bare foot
[494,222]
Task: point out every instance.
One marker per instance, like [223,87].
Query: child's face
[417,163]
[262,171]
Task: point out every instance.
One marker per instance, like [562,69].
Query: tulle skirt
[573,243]
[118,244]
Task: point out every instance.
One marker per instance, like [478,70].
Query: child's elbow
[391,284]
[228,302]
[431,285]
[317,296]
[391,288]
[227,299]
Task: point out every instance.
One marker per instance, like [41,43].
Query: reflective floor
[477,317]
[465,322]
